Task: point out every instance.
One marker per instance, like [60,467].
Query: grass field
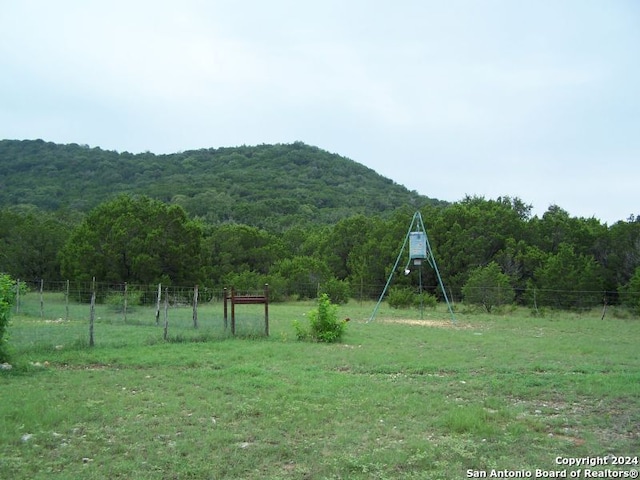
[401,397]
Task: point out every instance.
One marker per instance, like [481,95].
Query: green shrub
[488,287]
[400,297]
[339,291]
[324,325]
[424,299]
[115,300]
[406,297]
[7,298]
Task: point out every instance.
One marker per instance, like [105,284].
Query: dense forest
[296,217]
[268,186]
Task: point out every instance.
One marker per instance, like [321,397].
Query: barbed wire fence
[74,314]
[62,315]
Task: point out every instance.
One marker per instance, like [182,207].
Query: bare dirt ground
[425,323]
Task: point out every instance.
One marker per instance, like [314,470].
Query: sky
[535,99]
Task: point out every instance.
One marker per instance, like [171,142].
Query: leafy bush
[400,297]
[406,297]
[115,300]
[324,325]
[339,291]
[488,287]
[7,298]
[425,299]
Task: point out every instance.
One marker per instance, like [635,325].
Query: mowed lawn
[401,397]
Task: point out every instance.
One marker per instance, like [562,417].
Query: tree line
[136,239]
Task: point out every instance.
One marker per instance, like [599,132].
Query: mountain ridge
[271,186]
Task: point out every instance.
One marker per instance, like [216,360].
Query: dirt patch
[426,323]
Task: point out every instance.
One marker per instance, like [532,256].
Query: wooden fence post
[41,299]
[604,306]
[233,312]
[224,293]
[92,312]
[166,312]
[195,307]
[66,303]
[18,297]
[158,304]
[266,309]
[125,302]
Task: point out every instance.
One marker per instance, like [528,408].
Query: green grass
[396,399]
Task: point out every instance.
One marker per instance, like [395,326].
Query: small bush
[424,299]
[488,287]
[7,298]
[115,300]
[339,291]
[405,297]
[324,325]
[400,297]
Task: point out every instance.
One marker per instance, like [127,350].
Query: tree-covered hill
[271,186]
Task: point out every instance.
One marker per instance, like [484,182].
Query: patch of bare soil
[426,323]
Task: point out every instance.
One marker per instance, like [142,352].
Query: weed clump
[324,325]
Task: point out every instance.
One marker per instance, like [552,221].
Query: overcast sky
[536,99]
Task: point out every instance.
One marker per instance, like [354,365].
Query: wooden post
[166,312]
[42,299]
[92,312]
[195,307]
[233,312]
[66,302]
[125,302]
[17,296]
[158,304]
[224,293]
[266,309]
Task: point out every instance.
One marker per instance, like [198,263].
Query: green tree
[342,240]
[303,275]
[588,236]
[373,256]
[469,234]
[630,293]
[136,240]
[624,253]
[519,261]
[30,241]
[569,280]
[488,287]
[234,249]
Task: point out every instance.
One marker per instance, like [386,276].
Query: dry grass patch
[426,323]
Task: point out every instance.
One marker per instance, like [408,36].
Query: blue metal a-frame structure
[417,225]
